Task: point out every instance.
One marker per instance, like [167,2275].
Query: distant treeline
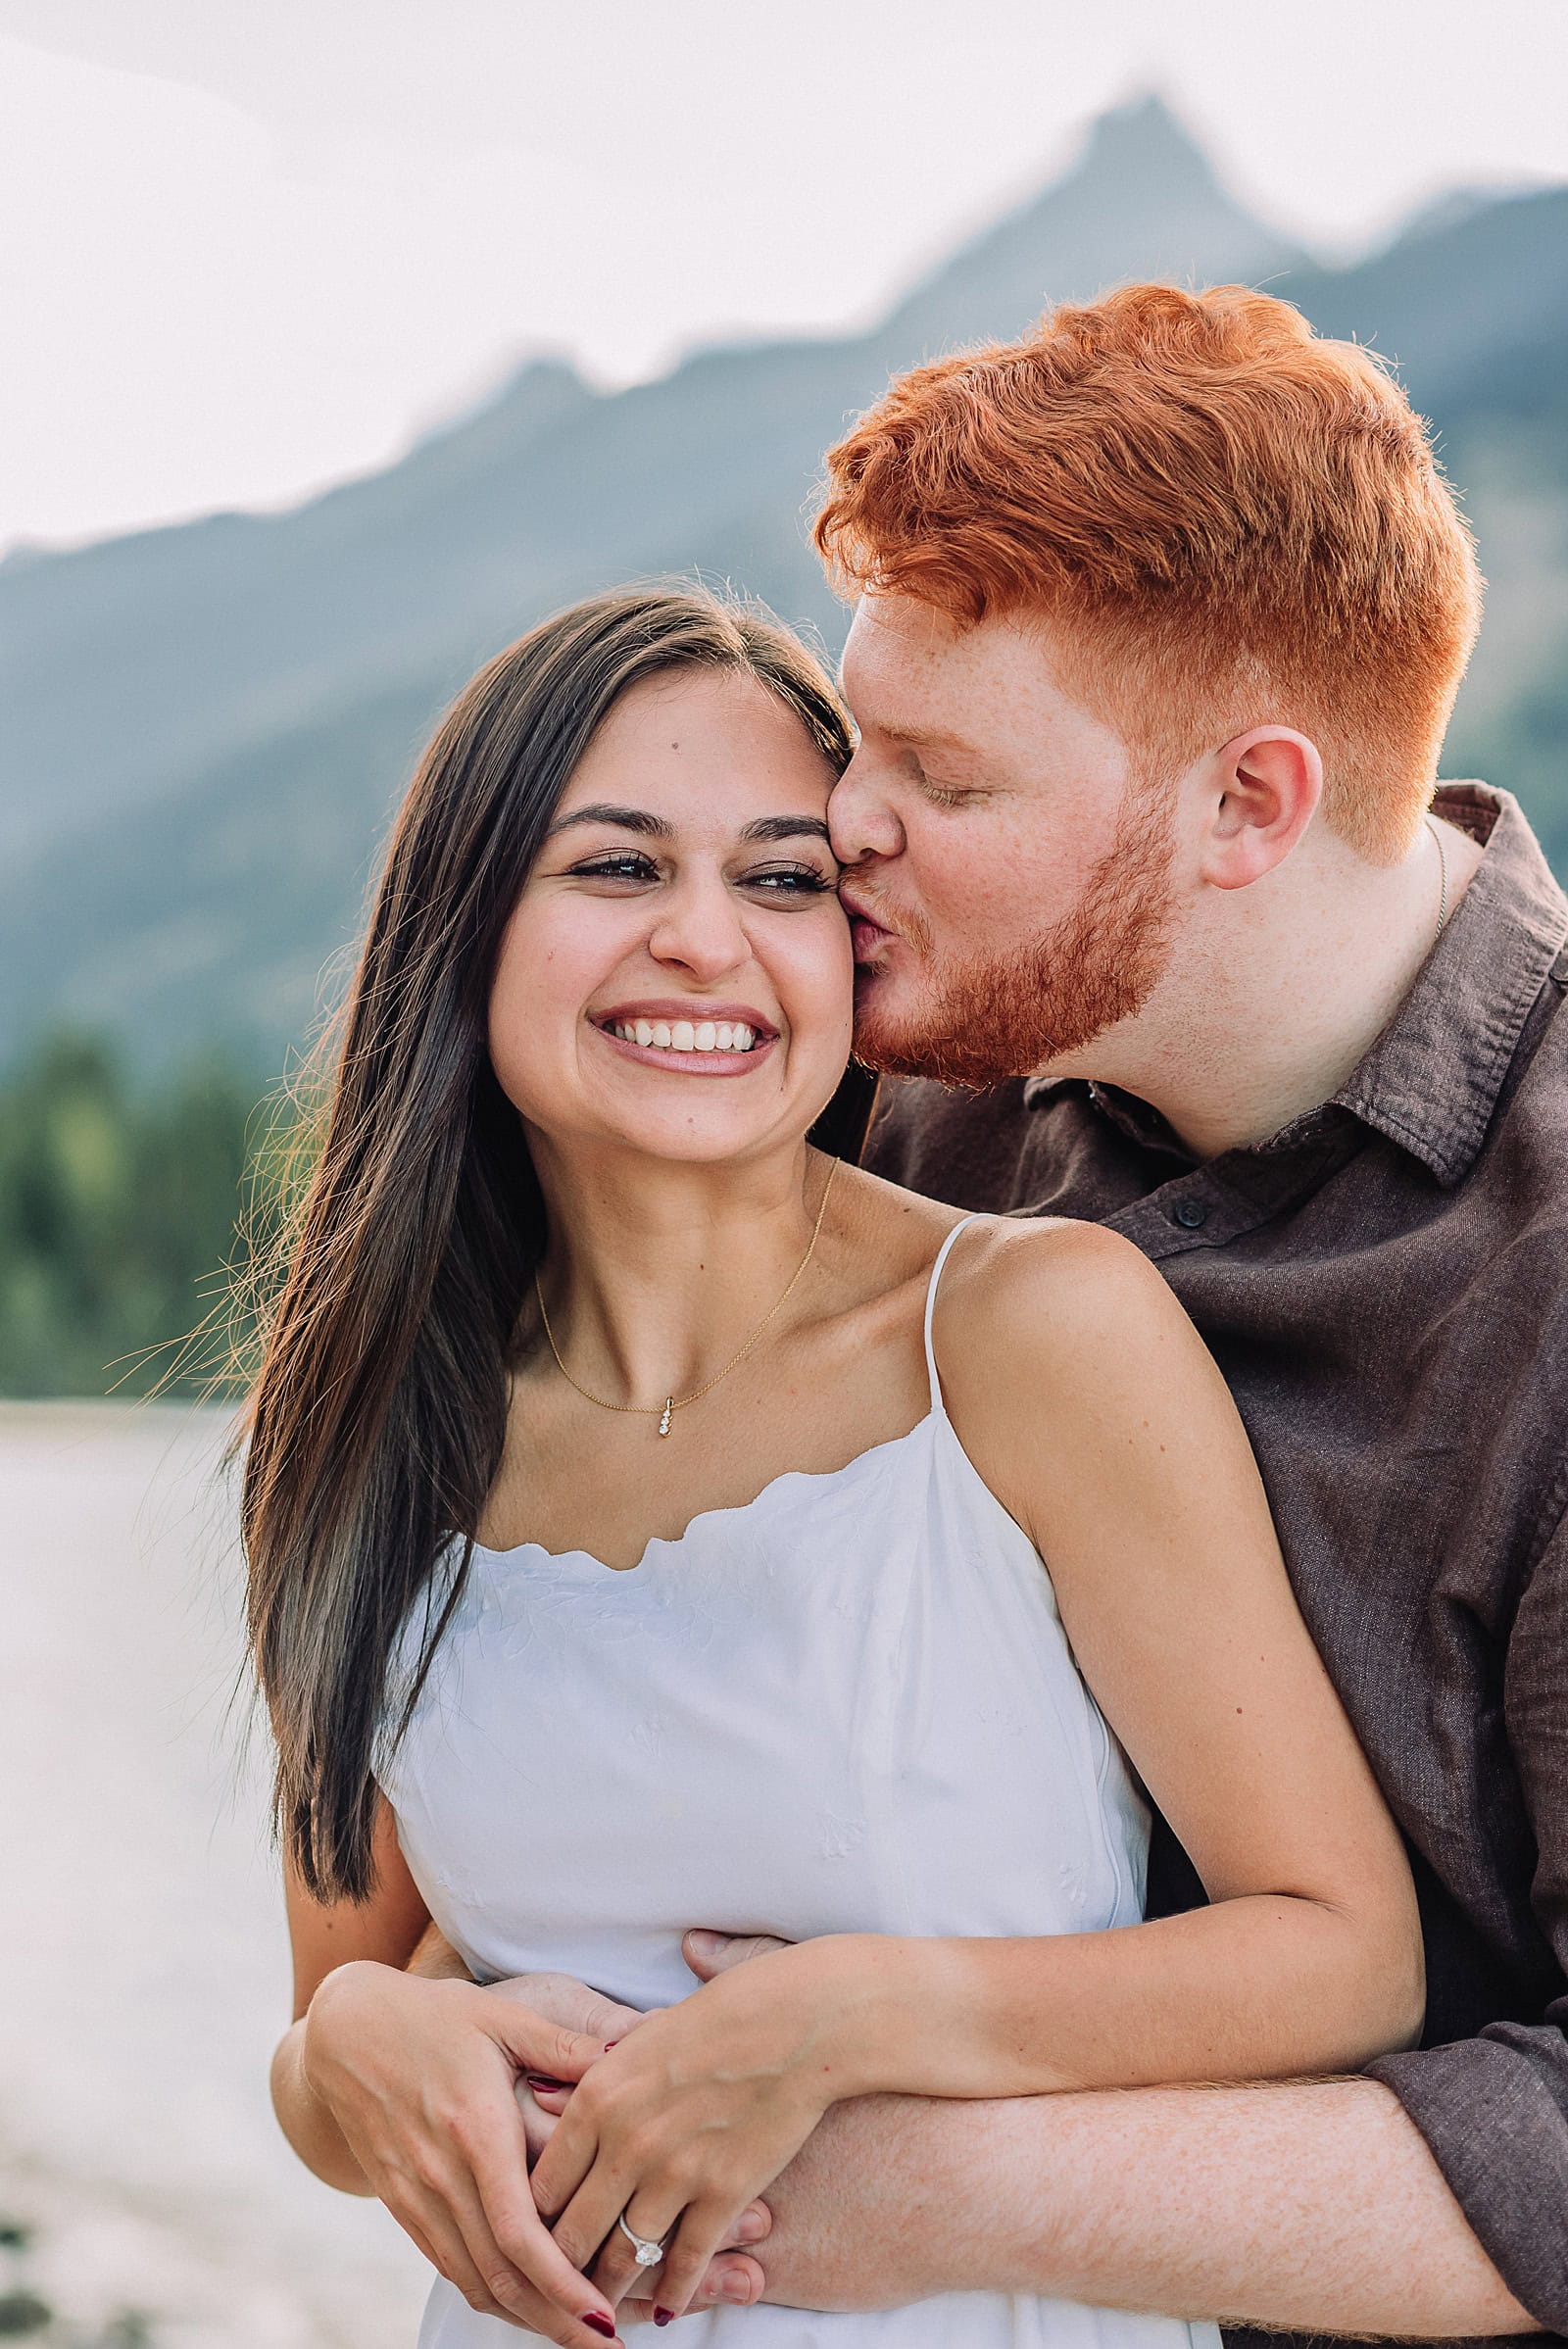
[121,1206]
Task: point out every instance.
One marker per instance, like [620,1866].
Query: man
[1161,615]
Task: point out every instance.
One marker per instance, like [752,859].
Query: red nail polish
[540,2080]
[602,2326]
[663,2315]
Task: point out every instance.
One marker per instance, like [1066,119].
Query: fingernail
[602,2326]
[663,2315]
[752,2228]
[737,2287]
[703,1941]
[545,2085]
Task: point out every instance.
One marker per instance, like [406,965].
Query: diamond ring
[649,2253]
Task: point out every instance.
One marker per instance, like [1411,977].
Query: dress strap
[942,1254]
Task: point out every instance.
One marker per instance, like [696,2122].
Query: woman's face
[677,975]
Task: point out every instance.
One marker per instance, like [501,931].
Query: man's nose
[860,818]
[700,928]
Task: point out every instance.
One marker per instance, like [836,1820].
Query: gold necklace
[666,1411]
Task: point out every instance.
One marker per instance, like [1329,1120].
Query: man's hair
[1223,519]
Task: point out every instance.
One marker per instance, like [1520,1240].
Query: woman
[647,1520]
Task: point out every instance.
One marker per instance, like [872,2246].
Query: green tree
[119,1210]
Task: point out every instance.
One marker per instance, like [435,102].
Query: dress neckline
[537,1550]
[934,1418]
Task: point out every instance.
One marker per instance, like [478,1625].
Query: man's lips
[869,934]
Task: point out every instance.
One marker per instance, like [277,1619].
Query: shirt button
[1191,1215]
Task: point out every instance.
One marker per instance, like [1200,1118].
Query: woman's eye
[625,865]
[792,880]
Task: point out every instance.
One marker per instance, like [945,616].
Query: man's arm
[1430,2200]
[1314,2209]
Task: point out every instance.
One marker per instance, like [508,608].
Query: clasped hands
[678,2118]
[691,2113]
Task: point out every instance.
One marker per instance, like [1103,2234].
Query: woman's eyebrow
[653,828]
[787,827]
[626,819]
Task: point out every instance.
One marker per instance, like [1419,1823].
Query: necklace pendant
[666,1414]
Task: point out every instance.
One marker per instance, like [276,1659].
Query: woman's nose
[860,818]
[700,928]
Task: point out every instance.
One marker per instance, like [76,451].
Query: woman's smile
[693,1038]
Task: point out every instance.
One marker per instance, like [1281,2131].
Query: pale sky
[247,249]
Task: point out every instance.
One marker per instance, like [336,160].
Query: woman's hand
[422,2078]
[695,2111]
[562,1999]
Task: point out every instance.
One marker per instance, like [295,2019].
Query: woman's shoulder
[1000,1263]
[1049,1307]
[1062,1353]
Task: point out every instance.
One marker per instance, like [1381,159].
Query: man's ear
[1264,787]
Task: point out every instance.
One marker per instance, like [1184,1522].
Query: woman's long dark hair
[376,1421]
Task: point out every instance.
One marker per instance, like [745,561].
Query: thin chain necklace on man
[664,1413]
[1435,830]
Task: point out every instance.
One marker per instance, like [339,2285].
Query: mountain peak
[1141,200]
[1146,130]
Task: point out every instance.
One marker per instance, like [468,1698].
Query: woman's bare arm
[1094,1411]
[404,2085]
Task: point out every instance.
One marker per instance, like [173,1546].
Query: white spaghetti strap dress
[847,1706]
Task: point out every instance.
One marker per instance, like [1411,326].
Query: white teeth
[685,1035]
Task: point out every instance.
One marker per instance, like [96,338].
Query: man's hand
[573,2006]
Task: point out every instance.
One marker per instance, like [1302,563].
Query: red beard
[1015,1012]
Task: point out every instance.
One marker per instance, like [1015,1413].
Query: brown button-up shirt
[1385,1286]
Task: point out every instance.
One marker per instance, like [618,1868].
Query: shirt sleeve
[1494,2109]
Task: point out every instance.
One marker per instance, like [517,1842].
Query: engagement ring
[648,2254]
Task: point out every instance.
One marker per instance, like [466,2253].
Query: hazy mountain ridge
[208,725]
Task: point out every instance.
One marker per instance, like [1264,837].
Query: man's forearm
[435,1960]
[306,2122]
[1314,2208]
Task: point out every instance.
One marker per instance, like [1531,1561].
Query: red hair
[1224,520]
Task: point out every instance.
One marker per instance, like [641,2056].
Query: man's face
[1008,876]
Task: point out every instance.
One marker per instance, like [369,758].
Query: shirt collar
[1431,1081]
